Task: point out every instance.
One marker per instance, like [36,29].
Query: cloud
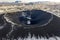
[29,0]
[7,0]
[40,0]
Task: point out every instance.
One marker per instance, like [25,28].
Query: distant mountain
[17,1]
[30,3]
[43,2]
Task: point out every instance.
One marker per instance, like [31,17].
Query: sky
[29,0]
[7,0]
[40,0]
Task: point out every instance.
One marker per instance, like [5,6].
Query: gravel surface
[54,9]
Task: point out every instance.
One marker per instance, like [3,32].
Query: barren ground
[54,9]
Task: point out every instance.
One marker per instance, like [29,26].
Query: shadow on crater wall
[52,29]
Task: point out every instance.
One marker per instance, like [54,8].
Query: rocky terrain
[50,7]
